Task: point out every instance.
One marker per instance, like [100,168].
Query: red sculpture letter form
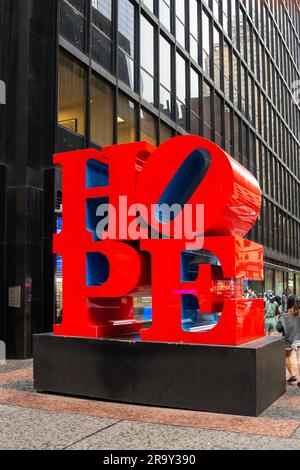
[98,275]
[103,270]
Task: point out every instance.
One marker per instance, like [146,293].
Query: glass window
[227,69]
[102,119]
[235,80]
[269,279]
[180,21]
[217,58]
[195,103]
[206,50]
[147,60]
[225,16]
[237,146]
[218,120]
[165,76]
[194,29]
[165,13]
[181,90]
[71,113]
[243,89]
[126,55]
[228,130]
[233,22]
[207,125]
[102,33]
[149,4]
[73,22]
[166,133]
[216,8]
[148,128]
[126,120]
[242,34]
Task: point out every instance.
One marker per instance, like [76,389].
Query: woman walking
[289,325]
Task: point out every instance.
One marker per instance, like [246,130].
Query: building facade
[88,73]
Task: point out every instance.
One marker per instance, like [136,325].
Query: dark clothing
[289,325]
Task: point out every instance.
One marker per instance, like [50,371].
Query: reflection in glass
[206,50]
[101,112]
[195,103]
[181,90]
[71,113]
[194,29]
[206,111]
[147,60]
[102,32]
[228,131]
[217,57]
[180,78]
[165,13]
[226,68]
[165,76]
[225,16]
[149,4]
[165,101]
[148,128]
[235,80]
[166,133]
[126,121]
[236,129]
[126,53]
[216,7]
[218,120]
[180,21]
[79,5]
[72,22]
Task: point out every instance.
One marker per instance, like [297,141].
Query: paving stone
[27,429]
[40,421]
[281,412]
[23,385]
[15,365]
[142,436]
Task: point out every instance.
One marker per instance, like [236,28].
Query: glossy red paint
[103,306]
[241,320]
[230,194]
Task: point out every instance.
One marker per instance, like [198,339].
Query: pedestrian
[289,325]
[278,300]
[271,311]
[249,294]
[252,294]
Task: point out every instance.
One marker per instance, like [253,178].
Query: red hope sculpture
[188,168]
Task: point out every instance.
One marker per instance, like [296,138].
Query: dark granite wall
[28,51]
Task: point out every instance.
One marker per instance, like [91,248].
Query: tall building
[88,73]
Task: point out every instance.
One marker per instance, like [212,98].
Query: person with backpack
[271,311]
[289,325]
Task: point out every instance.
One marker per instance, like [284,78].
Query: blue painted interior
[97,269]
[184,183]
[147,313]
[192,317]
[97,174]
[190,261]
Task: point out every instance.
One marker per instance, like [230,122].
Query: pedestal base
[241,380]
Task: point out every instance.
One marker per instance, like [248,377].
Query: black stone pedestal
[242,380]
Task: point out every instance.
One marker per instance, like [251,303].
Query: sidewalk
[40,421]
